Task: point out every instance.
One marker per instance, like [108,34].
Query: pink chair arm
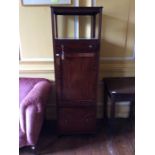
[37,97]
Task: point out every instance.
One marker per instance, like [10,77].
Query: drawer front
[77,120]
[77,46]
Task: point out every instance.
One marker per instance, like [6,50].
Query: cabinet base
[77,120]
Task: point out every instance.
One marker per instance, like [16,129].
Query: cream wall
[117,44]
[35,32]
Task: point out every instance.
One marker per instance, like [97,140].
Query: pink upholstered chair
[33,96]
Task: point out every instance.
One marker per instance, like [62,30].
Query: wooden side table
[118,89]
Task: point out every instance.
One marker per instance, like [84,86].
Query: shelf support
[93,2]
[76,21]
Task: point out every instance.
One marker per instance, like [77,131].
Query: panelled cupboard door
[76,71]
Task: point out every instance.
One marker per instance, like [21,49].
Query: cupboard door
[78,68]
[78,78]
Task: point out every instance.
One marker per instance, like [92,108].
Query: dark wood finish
[121,85]
[56,27]
[100,26]
[81,11]
[119,89]
[82,118]
[76,10]
[93,20]
[76,78]
[77,45]
[76,74]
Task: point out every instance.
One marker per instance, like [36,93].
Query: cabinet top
[76,10]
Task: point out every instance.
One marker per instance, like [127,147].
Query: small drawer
[77,120]
[73,46]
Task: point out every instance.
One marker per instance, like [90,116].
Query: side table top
[120,85]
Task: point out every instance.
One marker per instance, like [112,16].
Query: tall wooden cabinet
[76,73]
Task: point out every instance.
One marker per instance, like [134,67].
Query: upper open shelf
[94,13]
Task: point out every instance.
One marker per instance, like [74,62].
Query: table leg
[112,121]
[131,112]
[105,107]
[112,114]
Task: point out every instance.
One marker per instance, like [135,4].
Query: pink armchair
[33,96]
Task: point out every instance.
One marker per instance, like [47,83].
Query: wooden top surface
[120,85]
[76,10]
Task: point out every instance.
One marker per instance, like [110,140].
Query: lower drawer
[77,120]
